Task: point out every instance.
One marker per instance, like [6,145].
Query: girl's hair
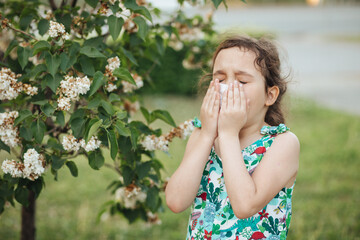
[267,58]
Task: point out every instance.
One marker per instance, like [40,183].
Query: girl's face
[235,64]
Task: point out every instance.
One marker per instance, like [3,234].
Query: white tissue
[223,88]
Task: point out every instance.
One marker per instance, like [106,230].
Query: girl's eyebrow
[220,72]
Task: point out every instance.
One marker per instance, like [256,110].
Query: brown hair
[267,58]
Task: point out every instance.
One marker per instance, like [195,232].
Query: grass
[325,201]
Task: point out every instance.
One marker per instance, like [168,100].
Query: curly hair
[267,59]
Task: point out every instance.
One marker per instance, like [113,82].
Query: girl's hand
[209,111]
[234,109]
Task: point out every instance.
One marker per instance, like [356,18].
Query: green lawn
[325,203]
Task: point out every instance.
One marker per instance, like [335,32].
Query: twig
[53,5]
[20,31]
[113,167]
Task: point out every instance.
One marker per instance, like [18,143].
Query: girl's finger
[242,98]
[217,96]
[231,96]
[237,95]
[224,99]
[207,96]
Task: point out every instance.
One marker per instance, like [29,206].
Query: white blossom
[93,144]
[130,195]
[72,87]
[187,128]
[70,143]
[32,168]
[9,134]
[64,103]
[30,90]
[113,63]
[153,218]
[111,87]
[56,29]
[129,87]
[34,164]
[151,143]
[9,87]
[12,167]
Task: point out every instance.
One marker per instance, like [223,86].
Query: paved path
[326,67]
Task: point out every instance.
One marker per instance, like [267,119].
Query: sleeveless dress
[212,216]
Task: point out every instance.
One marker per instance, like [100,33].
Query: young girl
[240,163]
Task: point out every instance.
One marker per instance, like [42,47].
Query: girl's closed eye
[222,80]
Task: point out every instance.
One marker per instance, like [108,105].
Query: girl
[240,187]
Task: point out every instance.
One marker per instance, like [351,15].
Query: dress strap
[196,122]
[272,130]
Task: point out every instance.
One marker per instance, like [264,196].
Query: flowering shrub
[68,84]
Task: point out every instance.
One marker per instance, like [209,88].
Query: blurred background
[319,41]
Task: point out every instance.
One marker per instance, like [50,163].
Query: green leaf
[146,114]
[48,109]
[60,118]
[97,82]
[43,26]
[64,59]
[143,27]
[129,55]
[57,162]
[25,21]
[143,169]
[52,63]
[152,198]
[91,52]
[132,5]
[72,167]
[108,107]
[38,129]
[114,97]
[87,65]
[53,82]
[78,127]
[112,143]
[128,175]
[38,69]
[11,46]
[5,147]
[23,56]
[96,159]
[26,133]
[216,3]
[92,3]
[94,126]
[23,114]
[41,46]
[165,116]
[95,102]
[122,129]
[22,195]
[121,114]
[124,74]
[115,25]
[134,136]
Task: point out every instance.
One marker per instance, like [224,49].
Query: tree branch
[73,4]
[52,5]
[20,31]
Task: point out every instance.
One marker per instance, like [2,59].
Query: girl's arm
[249,194]
[183,185]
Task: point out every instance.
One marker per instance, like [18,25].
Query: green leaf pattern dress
[212,216]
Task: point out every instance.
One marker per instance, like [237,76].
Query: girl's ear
[272,94]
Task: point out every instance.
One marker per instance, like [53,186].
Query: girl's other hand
[209,111]
[234,109]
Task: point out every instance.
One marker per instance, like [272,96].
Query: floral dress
[212,216]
